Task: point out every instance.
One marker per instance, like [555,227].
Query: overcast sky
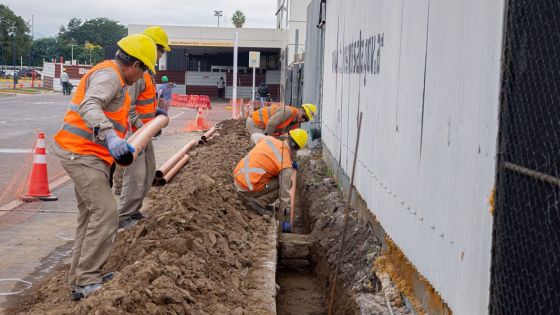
[50,14]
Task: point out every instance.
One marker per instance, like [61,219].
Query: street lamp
[218,13]
[12,31]
[72,58]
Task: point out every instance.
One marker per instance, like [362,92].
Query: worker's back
[262,163]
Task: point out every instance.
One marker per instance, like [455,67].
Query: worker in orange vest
[91,138]
[277,119]
[138,177]
[265,173]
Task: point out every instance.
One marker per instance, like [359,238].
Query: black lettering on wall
[362,56]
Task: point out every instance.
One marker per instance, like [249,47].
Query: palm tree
[238,19]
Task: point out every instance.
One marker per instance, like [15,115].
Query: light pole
[72,53]
[218,13]
[13,30]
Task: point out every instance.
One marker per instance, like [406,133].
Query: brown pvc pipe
[208,133]
[140,139]
[168,165]
[182,162]
[142,136]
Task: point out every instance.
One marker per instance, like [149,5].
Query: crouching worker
[277,119]
[90,139]
[265,173]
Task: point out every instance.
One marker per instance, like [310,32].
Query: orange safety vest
[261,116]
[146,102]
[261,164]
[75,136]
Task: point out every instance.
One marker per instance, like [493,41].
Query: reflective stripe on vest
[146,101]
[116,125]
[247,170]
[81,133]
[145,104]
[274,150]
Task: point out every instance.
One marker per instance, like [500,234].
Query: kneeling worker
[277,119]
[91,138]
[265,173]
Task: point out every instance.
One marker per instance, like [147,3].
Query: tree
[238,19]
[45,48]
[88,38]
[8,19]
[98,31]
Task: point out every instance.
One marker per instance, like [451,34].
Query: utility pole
[13,30]
[218,13]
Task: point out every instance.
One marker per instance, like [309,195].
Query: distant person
[263,93]
[64,81]
[165,91]
[221,88]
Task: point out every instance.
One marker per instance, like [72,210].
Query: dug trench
[308,255]
[200,251]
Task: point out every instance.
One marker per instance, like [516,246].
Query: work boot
[81,292]
[107,277]
[131,221]
[256,207]
[137,216]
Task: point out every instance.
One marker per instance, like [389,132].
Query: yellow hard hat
[299,136]
[158,35]
[310,110]
[140,47]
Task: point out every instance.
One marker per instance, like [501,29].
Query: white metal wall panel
[273,77]
[204,78]
[427,157]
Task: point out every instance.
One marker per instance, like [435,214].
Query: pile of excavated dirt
[358,290]
[194,254]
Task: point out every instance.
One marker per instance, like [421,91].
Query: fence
[426,75]
[526,240]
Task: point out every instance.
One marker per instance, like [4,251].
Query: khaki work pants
[97,220]
[136,183]
[264,197]
[256,132]
[118,179]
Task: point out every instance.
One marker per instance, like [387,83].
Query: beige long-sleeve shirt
[276,119]
[285,182]
[104,92]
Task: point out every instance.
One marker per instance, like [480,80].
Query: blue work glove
[160,112]
[117,146]
[295,166]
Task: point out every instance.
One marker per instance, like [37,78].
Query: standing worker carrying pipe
[138,177]
[90,140]
[265,173]
[277,119]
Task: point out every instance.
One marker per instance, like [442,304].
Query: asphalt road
[22,116]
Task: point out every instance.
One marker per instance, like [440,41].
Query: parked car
[28,73]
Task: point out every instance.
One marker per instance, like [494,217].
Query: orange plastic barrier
[191,101]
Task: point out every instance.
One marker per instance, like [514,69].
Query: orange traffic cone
[39,181]
[199,123]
